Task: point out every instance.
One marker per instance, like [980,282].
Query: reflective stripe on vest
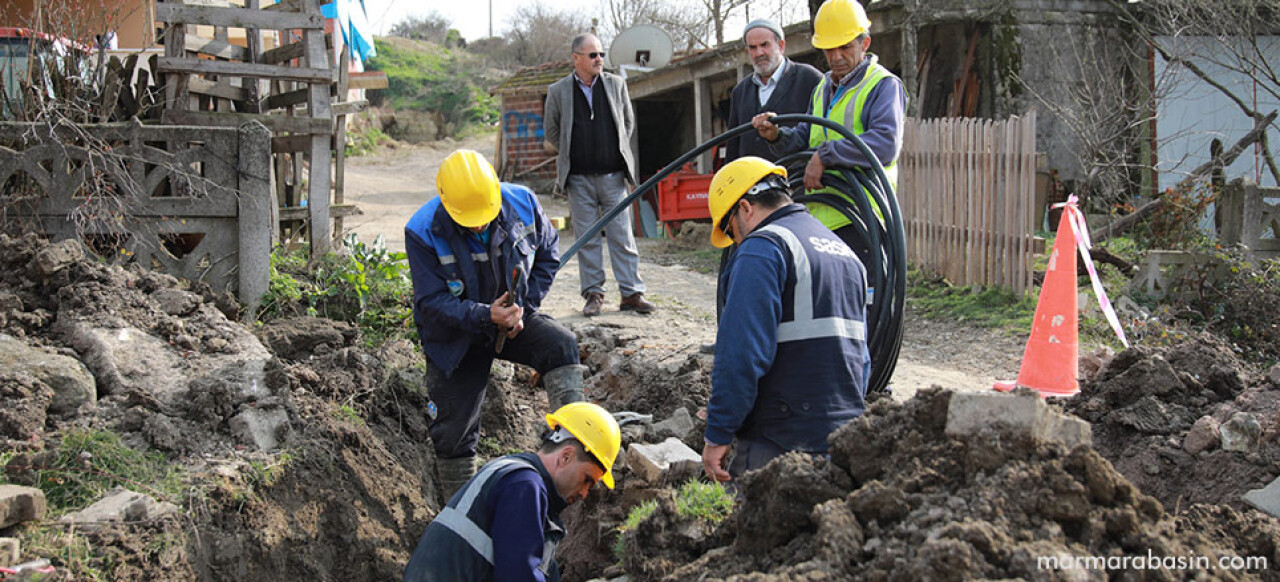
[456,520]
[803,325]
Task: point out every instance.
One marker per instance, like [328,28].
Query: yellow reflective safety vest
[846,109]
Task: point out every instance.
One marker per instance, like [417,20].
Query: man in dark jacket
[504,524]
[483,255]
[776,84]
[791,359]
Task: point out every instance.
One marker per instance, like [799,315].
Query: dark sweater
[793,95]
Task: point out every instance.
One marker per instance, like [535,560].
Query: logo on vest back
[455,287]
[831,247]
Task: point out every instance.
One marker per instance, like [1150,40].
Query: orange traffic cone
[1051,360]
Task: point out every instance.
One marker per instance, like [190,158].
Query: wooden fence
[967,190]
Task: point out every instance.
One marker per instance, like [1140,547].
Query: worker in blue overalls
[483,256]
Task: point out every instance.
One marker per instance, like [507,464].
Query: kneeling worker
[483,255]
[504,524]
[791,359]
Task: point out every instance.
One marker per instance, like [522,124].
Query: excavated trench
[343,430]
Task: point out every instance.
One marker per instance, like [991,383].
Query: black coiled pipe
[887,263]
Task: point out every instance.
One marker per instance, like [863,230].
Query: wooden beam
[368,80]
[215,89]
[216,48]
[286,6]
[282,54]
[276,123]
[335,211]
[205,67]
[282,100]
[237,17]
[290,144]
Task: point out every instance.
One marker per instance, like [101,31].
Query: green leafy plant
[349,413]
[365,142]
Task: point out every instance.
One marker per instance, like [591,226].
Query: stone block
[73,386]
[10,552]
[1266,499]
[1240,434]
[20,504]
[1022,413]
[122,505]
[679,425]
[656,462]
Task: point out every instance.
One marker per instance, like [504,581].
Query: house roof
[535,78]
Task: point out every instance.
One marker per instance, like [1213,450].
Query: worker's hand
[713,461]
[764,127]
[505,316]
[515,330]
[813,173]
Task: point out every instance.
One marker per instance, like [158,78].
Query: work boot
[564,385]
[636,303]
[595,302]
[454,473]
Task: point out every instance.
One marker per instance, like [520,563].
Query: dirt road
[390,186]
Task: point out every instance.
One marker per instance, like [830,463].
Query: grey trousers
[589,198]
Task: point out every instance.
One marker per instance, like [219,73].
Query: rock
[20,504]
[122,505]
[1266,499]
[1273,376]
[1203,436]
[1092,363]
[176,301]
[26,406]
[56,257]
[1151,415]
[73,386]
[263,428]
[1022,413]
[1240,434]
[297,338]
[664,462]
[10,552]
[679,425]
[163,433]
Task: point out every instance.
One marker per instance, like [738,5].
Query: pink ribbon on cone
[1081,229]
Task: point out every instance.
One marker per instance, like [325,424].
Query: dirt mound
[899,500]
[1157,413]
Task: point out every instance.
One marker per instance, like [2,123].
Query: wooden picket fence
[967,191]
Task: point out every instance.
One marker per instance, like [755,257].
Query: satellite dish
[642,46]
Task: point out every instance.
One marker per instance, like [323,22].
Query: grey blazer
[557,121]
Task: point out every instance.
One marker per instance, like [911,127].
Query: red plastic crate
[683,196]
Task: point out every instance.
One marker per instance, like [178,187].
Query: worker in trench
[857,93]
[791,360]
[504,524]
[482,256]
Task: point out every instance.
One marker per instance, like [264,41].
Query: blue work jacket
[791,351]
[504,524]
[450,267]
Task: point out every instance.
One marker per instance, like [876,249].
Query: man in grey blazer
[588,122]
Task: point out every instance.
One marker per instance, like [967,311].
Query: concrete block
[1266,499]
[654,462]
[1240,433]
[20,504]
[1021,413]
[122,505]
[10,551]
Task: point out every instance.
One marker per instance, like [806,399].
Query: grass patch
[704,501]
[637,515]
[931,296]
[90,462]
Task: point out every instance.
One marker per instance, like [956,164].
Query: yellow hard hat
[730,184]
[838,22]
[595,428]
[469,188]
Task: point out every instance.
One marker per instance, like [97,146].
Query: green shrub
[365,142]
[422,76]
[704,501]
[367,286]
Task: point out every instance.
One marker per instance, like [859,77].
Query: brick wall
[522,135]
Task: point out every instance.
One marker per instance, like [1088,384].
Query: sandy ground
[390,186]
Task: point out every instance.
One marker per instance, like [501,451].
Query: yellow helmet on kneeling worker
[469,188]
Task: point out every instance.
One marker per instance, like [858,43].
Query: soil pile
[900,500]
[1159,415]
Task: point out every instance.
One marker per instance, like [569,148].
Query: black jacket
[793,95]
